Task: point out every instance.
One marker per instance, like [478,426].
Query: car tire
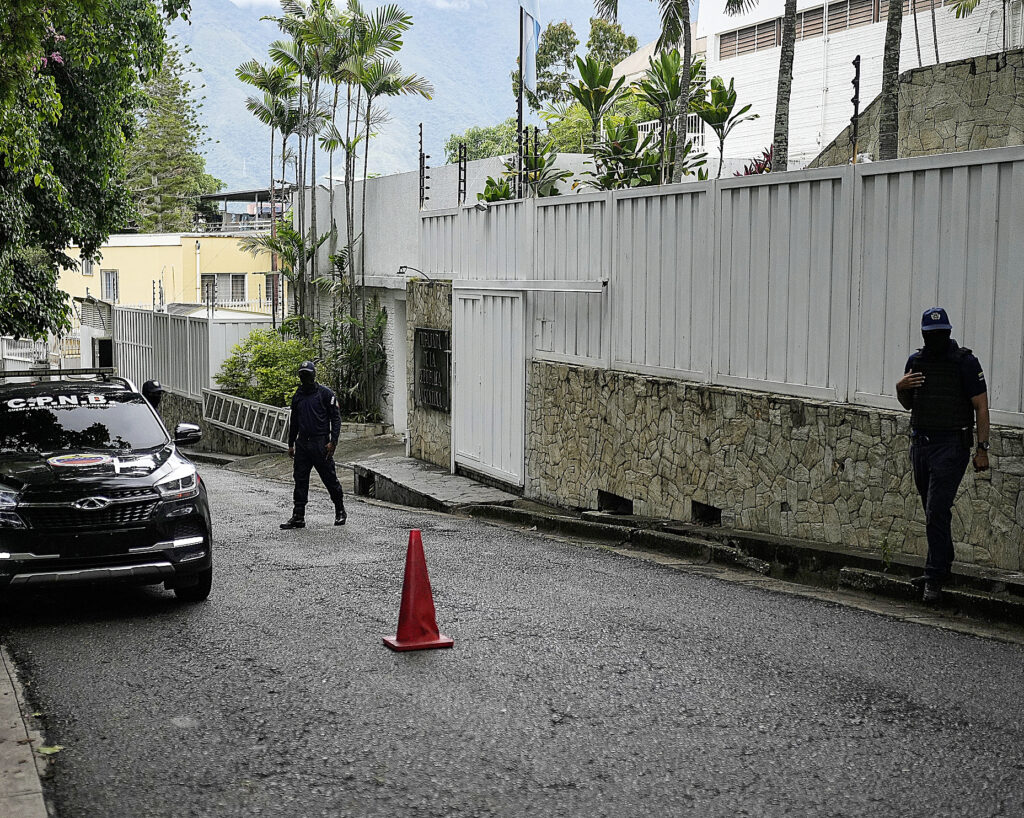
[197,591]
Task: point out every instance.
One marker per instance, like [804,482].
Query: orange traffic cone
[417,622]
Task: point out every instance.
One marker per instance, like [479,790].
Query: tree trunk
[721,156]
[311,299]
[664,146]
[780,140]
[935,31]
[888,120]
[917,34]
[273,220]
[683,103]
[367,380]
[349,229]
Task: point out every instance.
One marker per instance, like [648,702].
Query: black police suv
[93,489]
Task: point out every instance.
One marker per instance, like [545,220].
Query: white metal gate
[489,396]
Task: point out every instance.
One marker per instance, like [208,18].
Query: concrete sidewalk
[21,791]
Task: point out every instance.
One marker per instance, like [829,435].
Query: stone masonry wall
[957,106]
[175,409]
[791,467]
[428,304]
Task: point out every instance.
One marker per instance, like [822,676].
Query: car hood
[20,470]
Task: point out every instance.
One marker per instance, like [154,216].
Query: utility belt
[965,436]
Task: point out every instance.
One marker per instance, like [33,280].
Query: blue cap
[935,318]
[307,366]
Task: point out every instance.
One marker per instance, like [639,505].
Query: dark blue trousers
[311,453]
[939,466]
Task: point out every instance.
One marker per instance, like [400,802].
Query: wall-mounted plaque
[432,371]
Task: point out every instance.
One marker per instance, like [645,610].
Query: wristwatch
[984,445]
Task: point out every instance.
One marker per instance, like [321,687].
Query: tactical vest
[941,404]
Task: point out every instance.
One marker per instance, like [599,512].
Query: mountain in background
[466,48]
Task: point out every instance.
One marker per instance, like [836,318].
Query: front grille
[66,517]
[124,494]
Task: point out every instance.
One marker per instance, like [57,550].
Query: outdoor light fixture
[405,268]
[481,206]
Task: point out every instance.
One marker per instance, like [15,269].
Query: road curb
[984,593]
[21,789]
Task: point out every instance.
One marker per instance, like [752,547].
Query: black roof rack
[104,373]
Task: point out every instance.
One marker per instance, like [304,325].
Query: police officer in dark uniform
[153,391]
[312,438]
[944,388]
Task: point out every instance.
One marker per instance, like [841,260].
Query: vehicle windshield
[115,421]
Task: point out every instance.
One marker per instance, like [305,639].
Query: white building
[747,48]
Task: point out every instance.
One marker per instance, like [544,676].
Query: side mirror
[186,433]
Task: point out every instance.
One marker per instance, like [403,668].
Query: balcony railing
[242,226]
[694,130]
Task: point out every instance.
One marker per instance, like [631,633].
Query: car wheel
[199,590]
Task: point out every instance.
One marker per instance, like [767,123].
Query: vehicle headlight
[8,498]
[181,486]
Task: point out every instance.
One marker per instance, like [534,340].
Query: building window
[842,15]
[748,40]
[810,23]
[223,288]
[87,266]
[109,286]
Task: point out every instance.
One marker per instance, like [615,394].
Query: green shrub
[263,367]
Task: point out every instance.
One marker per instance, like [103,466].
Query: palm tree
[595,91]
[784,90]
[675,26]
[719,113]
[276,84]
[381,78]
[888,116]
[660,88]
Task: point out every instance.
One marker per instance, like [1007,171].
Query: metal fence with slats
[808,283]
[182,351]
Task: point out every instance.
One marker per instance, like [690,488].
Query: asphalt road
[582,683]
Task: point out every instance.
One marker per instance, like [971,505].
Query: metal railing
[267,424]
[694,129]
[241,226]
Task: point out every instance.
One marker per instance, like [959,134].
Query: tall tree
[555,54]
[273,109]
[888,115]
[71,74]
[166,172]
[483,142]
[608,42]
[675,27]
[784,89]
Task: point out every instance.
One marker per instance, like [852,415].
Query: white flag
[531,42]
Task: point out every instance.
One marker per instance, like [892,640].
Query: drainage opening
[365,484]
[613,504]
[705,514]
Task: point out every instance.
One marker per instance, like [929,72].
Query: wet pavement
[582,682]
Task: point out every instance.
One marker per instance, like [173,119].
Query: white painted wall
[820,106]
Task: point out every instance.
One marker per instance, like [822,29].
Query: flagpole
[519,130]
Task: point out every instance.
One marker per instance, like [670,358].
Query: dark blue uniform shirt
[971,375]
[315,413]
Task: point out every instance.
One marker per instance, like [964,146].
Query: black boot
[339,514]
[295,521]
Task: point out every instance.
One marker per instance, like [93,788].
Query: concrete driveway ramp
[409,482]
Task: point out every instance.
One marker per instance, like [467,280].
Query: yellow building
[138,269]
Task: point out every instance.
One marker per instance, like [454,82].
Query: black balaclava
[936,341]
[308,381]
